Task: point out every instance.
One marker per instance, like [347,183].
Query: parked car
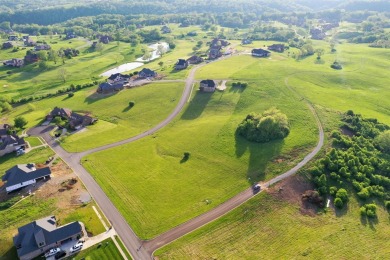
[60,255]
[76,247]
[256,188]
[52,251]
[20,152]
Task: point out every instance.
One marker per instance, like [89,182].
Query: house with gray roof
[4,130]
[11,143]
[43,234]
[147,73]
[106,87]
[23,175]
[207,85]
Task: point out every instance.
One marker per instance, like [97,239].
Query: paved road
[144,249]
[131,241]
[232,203]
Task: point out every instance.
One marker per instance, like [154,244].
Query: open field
[104,252]
[153,102]
[54,198]
[32,81]
[157,190]
[269,227]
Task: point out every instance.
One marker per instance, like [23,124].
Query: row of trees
[358,161]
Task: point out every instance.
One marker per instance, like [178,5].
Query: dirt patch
[346,131]
[291,190]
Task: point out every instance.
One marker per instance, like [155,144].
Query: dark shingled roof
[43,230]
[181,62]
[11,139]
[114,76]
[24,172]
[210,83]
[260,51]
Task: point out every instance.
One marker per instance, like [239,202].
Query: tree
[161,63]
[63,74]
[342,194]
[53,56]
[99,47]
[20,122]
[383,141]
[131,104]
[338,203]
[42,55]
[161,50]
[31,107]
[43,65]
[5,106]
[319,53]
[147,55]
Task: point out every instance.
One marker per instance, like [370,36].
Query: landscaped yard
[33,141]
[106,251]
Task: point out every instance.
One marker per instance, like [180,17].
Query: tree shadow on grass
[197,105]
[96,97]
[10,254]
[260,155]
[371,222]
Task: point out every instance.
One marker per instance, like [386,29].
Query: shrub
[131,103]
[387,204]
[342,194]
[270,125]
[20,122]
[71,94]
[364,194]
[338,203]
[336,66]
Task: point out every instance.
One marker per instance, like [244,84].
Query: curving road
[144,249]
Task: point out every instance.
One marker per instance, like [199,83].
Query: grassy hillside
[269,228]
[157,190]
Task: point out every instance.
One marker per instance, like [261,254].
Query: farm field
[116,120]
[104,252]
[270,227]
[53,199]
[157,190]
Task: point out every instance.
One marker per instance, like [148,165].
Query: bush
[131,103]
[387,204]
[20,122]
[336,66]
[338,203]
[71,94]
[271,125]
[342,194]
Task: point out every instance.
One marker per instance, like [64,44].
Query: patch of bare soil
[293,190]
[63,184]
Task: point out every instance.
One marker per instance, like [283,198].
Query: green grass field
[104,252]
[153,103]
[266,227]
[156,191]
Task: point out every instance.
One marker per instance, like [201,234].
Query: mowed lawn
[107,251]
[156,190]
[267,228]
[117,121]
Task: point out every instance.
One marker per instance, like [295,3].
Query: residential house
[147,73]
[75,120]
[7,45]
[118,77]
[11,143]
[165,29]
[181,64]
[276,47]
[31,57]
[215,52]
[41,235]
[219,42]
[260,53]
[106,87]
[193,33]
[94,44]
[14,63]
[4,130]
[317,34]
[70,35]
[246,41]
[207,85]
[28,41]
[43,47]
[13,38]
[194,60]
[23,175]
[105,39]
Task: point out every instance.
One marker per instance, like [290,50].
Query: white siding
[20,185]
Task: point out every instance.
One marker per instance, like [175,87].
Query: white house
[22,175]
